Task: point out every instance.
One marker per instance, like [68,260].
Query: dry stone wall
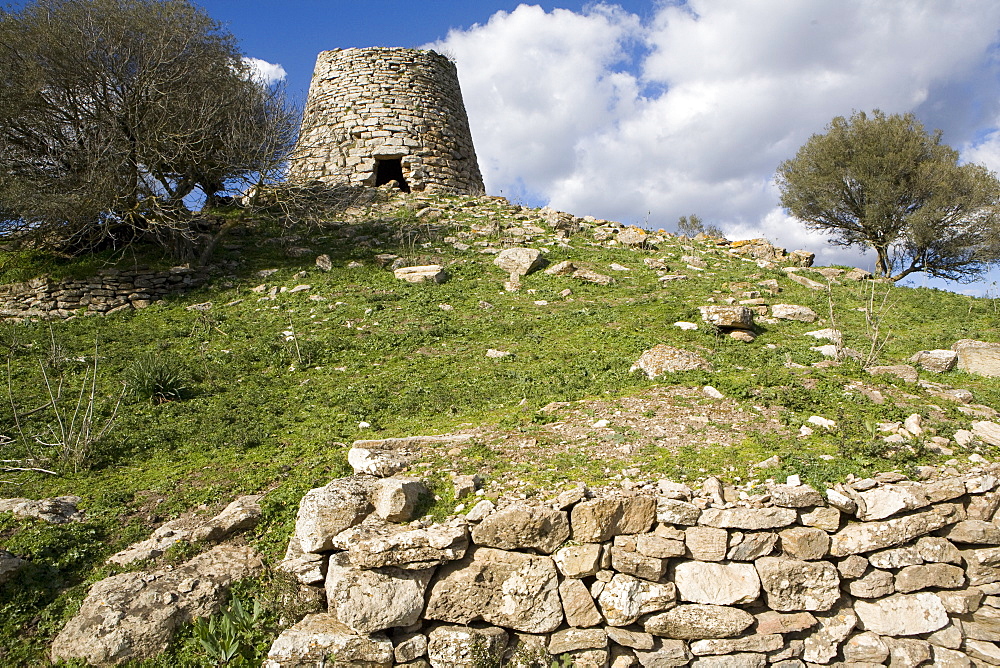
[110,291]
[883,571]
[369,109]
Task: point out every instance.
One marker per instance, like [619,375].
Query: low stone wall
[884,571]
[110,291]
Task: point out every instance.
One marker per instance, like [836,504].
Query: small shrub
[158,378]
[228,637]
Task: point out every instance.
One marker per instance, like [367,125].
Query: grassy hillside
[264,390]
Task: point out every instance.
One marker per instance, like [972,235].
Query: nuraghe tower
[387,114]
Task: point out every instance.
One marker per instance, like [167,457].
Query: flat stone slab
[902,614]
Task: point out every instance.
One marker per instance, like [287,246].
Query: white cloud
[265,72]
[692,110]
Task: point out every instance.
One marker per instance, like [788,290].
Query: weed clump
[157,378]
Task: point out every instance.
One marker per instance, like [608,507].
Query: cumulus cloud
[692,109]
[265,72]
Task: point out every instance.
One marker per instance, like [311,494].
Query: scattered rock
[58,510]
[320,639]
[978,357]
[936,361]
[663,359]
[433,273]
[793,312]
[519,261]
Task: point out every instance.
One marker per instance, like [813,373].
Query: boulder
[935,361]
[396,499]
[915,578]
[902,614]
[510,589]
[380,463]
[978,357]
[578,561]
[574,640]
[716,584]
[804,543]
[320,639]
[625,598]
[378,544]
[431,273]
[520,527]
[662,359]
[987,432]
[326,511]
[519,261]
[727,317]
[694,621]
[756,643]
[375,599]
[58,510]
[600,520]
[578,605]
[309,569]
[793,312]
[591,276]
[824,642]
[791,585]
[133,616]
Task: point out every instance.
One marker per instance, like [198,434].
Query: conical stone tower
[386,114]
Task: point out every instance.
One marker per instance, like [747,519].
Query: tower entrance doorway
[390,170]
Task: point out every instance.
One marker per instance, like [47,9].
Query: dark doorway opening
[390,170]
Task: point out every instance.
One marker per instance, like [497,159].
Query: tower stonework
[381,114]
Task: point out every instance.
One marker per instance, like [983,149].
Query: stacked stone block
[110,291]
[883,571]
[387,104]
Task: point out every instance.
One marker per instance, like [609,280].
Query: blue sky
[643,111]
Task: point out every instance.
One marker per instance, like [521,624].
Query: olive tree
[116,114]
[886,183]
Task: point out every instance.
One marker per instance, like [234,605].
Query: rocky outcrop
[978,357]
[57,510]
[900,571]
[133,616]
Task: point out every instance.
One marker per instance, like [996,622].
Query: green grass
[257,410]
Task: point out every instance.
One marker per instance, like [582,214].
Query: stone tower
[379,114]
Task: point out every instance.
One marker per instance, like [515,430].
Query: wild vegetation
[263,387]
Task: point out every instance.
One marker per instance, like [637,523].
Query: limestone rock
[887,500]
[376,599]
[578,561]
[807,282]
[520,527]
[574,640]
[984,651]
[510,589]
[309,569]
[652,545]
[599,520]
[791,585]
[433,273]
[752,545]
[795,496]
[983,624]
[134,615]
[935,361]
[696,622]
[775,622]
[374,545]
[578,604]
[377,462]
[673,511]
[866,647]
[240,515]
[639,565]
[982,566]
[793,312]
[975,532]
[875,584]
[9,565]
[519,261]
[915,578]
[978,357]
[750,519]
[662,359]
[320,639]
[753,643]
[326,511]
[804,543]
[591,276]
[716,584]
[409,647]
[902,614]
[58,510]
[987,432]
[396,499]
[727,317]
[741,660]
[858,538]
[463,646]
[706,543]
[628,638]
[824,643]
[626,598]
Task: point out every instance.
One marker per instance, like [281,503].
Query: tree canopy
[886,183]
[115,113]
